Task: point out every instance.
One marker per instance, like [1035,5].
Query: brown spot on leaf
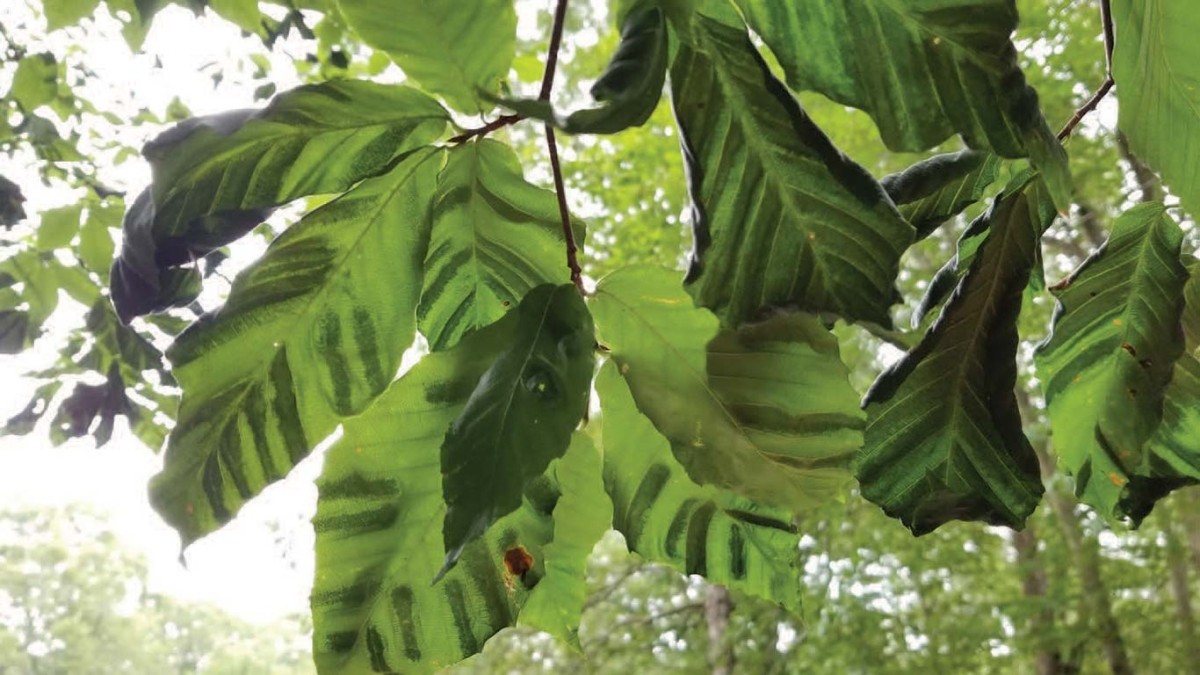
[518,561]
[1145,363]
[1117,479]
[1129,348]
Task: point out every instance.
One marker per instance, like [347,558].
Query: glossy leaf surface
[520,416]
[934,68]
[780,216]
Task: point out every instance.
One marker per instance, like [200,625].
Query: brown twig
[1106,20]
[501,121]
[560,14]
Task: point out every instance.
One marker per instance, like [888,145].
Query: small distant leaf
[58,227]
[312,332]
[932,69]
[935,190]
[629,89]
[379,542]
[16,331]
[449,51]
[243,13]
[12,210]
[666,517]
[1154,65]
[23,422]
[495,237]
[1115,340]
[520,416]
[781,218]
[36,81]
[766,411]
[944,438]
[86,404]
[96,245]
[63,13]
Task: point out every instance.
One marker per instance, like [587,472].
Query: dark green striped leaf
[379,541]
[520,416]
[666,517]
[766,411]
[922,70]
[216,177]
[944,439]
[780,216]
[311,332]
[495,237]
[935,190]
[630,87]
[1106,366]
[450,51]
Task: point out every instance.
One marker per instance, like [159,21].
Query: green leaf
[766,411]
[932,69]
[95,240]
[379,544]
[63,13]
[243,13]
[582,514]
[521,415]
[666,517]
[12,210]
[1154,65]
[495,237]
[36,81]
[935,190]
[944,439]
[629,89]
[450,52]
[780,216]
[1106,366]
[310,333]
[58,227]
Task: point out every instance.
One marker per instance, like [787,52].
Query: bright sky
[260,566]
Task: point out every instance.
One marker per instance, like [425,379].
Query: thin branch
[560,15]
[564,212]
[499,122]
[1106,20]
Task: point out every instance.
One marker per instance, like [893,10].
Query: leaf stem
[1090,105]
[499,122]
[560,14]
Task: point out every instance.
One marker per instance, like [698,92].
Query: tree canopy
[778,256]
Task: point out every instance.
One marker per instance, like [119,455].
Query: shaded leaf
[520,416]
[450,52]
[944,438]
[495,237]
[629,89]
[666,517]
[310,333]
[1154,65]
[12,210]
[39,404]
[935,190]
[934,68]
[766,411]
[86,404]
[1107,363]
[378,537]
[780,216]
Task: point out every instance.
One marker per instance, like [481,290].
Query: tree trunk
[1047,660]
[1177,561]
[717,606]
[1085,553]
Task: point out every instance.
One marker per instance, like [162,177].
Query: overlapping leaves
[944,439]
[780,216]
[379,540]
[934,68]
[766,411]
[1106,367]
